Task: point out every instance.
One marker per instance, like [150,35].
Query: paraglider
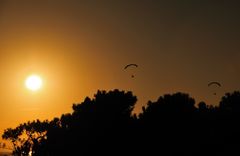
[214,83]
[130,65]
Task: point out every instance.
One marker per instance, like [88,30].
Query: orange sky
[80,47]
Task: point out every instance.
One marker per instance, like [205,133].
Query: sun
[33,82]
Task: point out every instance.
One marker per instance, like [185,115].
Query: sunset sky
[78,47]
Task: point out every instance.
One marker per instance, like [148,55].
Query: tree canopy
[105,124]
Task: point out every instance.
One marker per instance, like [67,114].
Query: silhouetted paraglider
[215,84]
[129,66]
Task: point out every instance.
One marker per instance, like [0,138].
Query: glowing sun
[33,82]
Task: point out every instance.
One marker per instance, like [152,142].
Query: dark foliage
[104,125]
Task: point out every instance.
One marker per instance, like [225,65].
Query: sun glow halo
[33,82]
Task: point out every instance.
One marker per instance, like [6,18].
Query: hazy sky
[79,47]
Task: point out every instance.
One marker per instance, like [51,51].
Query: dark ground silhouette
[105,125]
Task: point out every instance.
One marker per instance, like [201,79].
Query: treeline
[105,125]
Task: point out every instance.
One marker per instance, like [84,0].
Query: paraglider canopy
[214,83]
[130,65]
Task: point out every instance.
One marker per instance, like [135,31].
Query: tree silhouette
[97,123]
[27,137]
[231,102]
[166,122]
[229,118]
[105,125]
